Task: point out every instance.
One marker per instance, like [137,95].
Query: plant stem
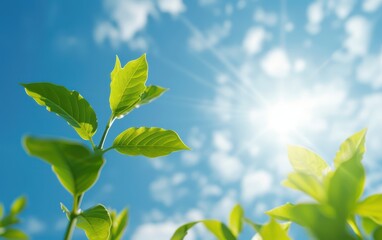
[103,138]
[73,217]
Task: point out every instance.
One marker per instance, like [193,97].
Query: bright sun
[285,118]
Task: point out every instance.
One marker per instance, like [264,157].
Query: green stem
[103,138]
[73,217]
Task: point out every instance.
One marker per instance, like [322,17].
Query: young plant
[269,231]
[337,213]
[7,221]
[337,191]
[76,166]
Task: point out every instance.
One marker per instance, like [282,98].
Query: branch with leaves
[338,211]
[76,166]
[8,221]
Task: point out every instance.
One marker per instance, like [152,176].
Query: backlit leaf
[306,183]
[119,224]
[351,148]
[273,230]
[76,167]
[217,228]
[150,142]
[371,207]
[95,222]
[18,205]
[127,85]
[13,234]
[305,161]
[69,105]
[151,93]
[236,220]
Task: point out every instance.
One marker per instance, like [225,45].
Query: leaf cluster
[77,166]
[9,220]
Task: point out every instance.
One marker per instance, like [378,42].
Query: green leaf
[9,220]
[314,217]
[236,220]
[257,227]
[377,235]
[119,224]
[95,222]
[14,234]
[345,187]
[371,207]
[368,225]
[151,93]
[351,148]
[306,183]
[218,229]
[69,105]
[18,205]
[65,210]
[273,230]
[1,210]
[127,85]
[150,142]
[305,161]
[76,167]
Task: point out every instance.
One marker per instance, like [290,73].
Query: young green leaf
[18,205]
[273,230]
[345,187]
[377,235]
[351,148]
[1,210]
[150,142]
[69,105]
[305,161]
[368,225]
[306,183]
[119,224]
[236,220]
[13,234]
[218,229]
[76,167]
[65,210]
[371,207]
[127,85]
[95,222]
[151,93]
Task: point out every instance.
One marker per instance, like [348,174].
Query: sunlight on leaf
[305,161]
[69,105]
[306,183]
[95,222]
[150,142]
[236,220]
[217,228]
[127,85]
[119,224]
[76,167]
[150,94]
[351,148]
[18,205]
[371,207]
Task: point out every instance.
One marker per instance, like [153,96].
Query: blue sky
[246,78]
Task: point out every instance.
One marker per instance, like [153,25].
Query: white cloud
[276,63]
[369,70]
[254,40]
[358,31]
[342,8]
[34,226]
[227,168]
[127,19]
[266,18]
[315,13]
[255,184]
[371,5]
[200,41]
[220,140]
[174,7]
[159,231]
[165,189]
[299,65]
